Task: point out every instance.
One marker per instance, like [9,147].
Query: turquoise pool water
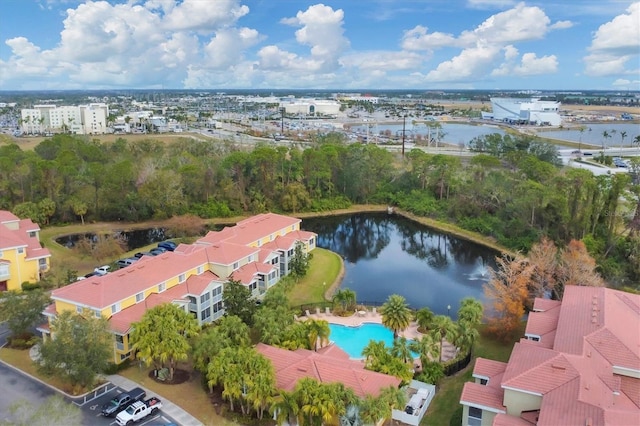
[353,340]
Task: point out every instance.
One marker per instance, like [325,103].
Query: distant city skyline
[375,44]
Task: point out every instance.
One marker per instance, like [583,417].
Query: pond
[387,254]
[133,239]
[593,134]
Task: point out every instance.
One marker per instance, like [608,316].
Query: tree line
[514,190]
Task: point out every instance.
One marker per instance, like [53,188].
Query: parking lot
[91,412]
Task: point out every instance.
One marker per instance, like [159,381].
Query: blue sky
[301,44]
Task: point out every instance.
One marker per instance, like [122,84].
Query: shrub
[27,286]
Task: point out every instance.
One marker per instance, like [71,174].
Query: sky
[307,44]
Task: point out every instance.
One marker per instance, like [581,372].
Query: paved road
[16,387]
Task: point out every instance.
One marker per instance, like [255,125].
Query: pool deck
[361,317]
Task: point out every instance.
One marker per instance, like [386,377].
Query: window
[217,291]
[32,234]
[205,297]
[206,314]
[253,286]
[235,266]
[483,382]
[312,241]
[115,308]
[125,356]
[0,253]
[290,253]
[162,287]
[475,416]
[250,258]
[200,269]
[20,250]
[97,313]
[139,297]
[271,237]
[78,309]
[181,278]
[217,307]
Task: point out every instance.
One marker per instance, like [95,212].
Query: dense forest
[514,190]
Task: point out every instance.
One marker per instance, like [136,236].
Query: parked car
[102,270]
[123,263]
[158,250]
[169,245]
[122,401]
[139,254]
[138,411]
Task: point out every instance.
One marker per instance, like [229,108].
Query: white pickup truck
[138,411]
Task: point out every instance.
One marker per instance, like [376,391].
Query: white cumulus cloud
[616,44]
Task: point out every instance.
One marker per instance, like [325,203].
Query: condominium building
[22,257]
[256,251]
[83,119]
[579,364]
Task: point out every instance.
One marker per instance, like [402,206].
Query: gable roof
[11,238]
[585,369]
[328,366]
[251,229]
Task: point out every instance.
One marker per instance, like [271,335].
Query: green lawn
[447,399]
[323,272]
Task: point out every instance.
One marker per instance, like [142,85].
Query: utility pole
[404,122]
[282,109]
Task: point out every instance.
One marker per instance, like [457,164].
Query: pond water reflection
[387,254]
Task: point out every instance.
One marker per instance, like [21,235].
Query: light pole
[404,122]
[449,310]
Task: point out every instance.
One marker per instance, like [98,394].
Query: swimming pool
[353,340]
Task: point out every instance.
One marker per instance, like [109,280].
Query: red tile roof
[488,368]
[327,367]
[507,420]
[16,238]
[476,394]
[120,322]
[101,292]
[252,229]
[541,304]
[543,322]
[579,377]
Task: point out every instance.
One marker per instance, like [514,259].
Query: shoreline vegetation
[71,260]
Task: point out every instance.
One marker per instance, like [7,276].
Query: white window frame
[236,265]
[182,278]
[115,308]
[476,421]
[140,297]
[162,287]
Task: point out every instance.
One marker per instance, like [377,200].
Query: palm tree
[373,353]
[443,328]
[346,298]
[285,406]
[470,311]
[623,135]
[427,347]
[400,349]
[396,314]
[424,318]
[636,141]
[392,397]
[317,330]
[605,136]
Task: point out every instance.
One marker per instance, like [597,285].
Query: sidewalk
[179,415]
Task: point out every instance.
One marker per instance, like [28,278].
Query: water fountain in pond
[481,272]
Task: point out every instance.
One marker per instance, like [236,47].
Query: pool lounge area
[371,317]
